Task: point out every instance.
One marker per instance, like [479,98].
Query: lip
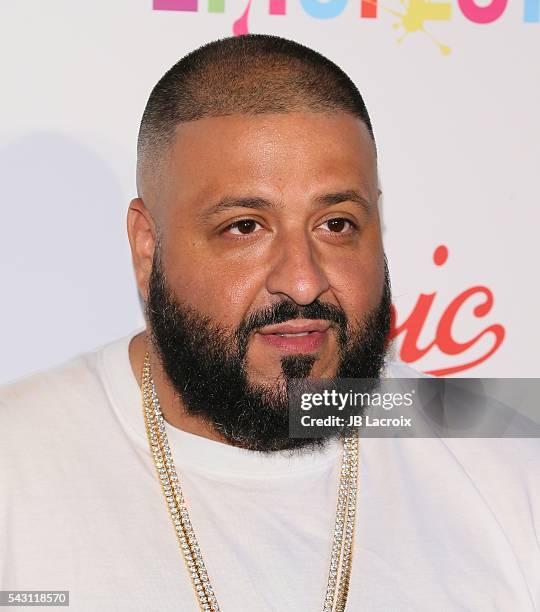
[314,335]
[296,326]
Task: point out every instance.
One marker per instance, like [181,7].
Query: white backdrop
[455,112]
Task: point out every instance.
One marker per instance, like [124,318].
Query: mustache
[287,310]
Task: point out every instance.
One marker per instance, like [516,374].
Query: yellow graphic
[417,12]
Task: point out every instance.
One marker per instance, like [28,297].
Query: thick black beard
[206,363]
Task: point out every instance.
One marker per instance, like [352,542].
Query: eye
[244,227]
[338,225]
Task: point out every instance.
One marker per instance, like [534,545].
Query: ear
[142,239]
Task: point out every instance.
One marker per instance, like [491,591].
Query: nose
[296,272]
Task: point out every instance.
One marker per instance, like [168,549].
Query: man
[257,249]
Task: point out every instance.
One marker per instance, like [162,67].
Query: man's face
[255,211]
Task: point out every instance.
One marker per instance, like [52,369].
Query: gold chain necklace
[341,556]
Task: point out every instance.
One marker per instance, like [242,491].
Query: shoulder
[507,464]
[504,474]
[502,466]
[46,387]
[50,397]
[399,369]
[41,403]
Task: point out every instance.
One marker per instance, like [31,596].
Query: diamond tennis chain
[341,556]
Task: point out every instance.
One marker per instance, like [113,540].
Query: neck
[172,407]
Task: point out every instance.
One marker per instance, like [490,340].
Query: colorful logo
[411,17]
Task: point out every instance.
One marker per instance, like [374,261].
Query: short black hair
[249,74]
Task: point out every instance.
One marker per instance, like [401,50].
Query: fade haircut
[246,75]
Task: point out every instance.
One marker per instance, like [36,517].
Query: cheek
[214,286]
[357,281]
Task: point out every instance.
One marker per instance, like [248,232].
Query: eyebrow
[227,203]
[328,199]
[349,195]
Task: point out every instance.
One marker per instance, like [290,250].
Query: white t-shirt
[441,524]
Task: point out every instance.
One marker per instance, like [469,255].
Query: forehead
[276,155]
